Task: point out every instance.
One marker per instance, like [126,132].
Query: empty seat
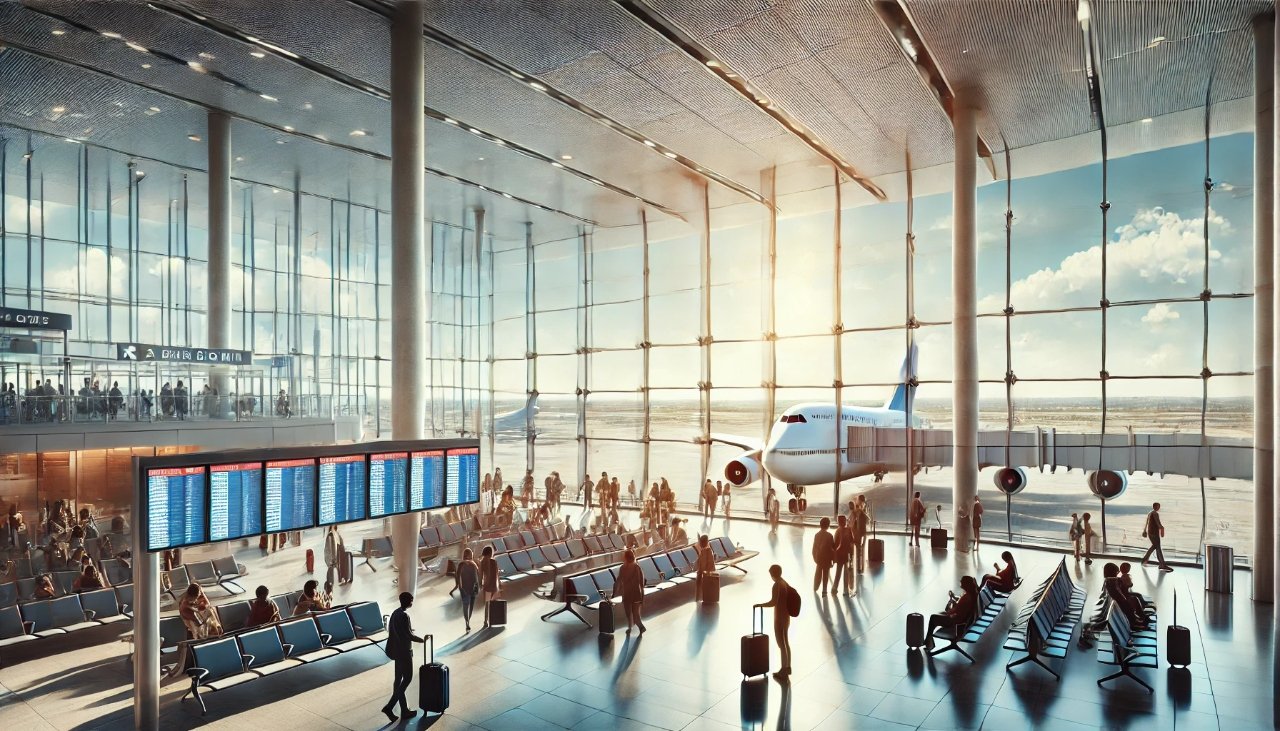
[103,604]
[116,571]
[304,640]
[179,580]
[285,603]
[616,541]
[540,536]
[233,615]
[562,550]
[604,580]
[228,571]
[506,567]
[593,544]
[67,613]
[13,629]
[718,550]
[40,618]
[172,631]
[124,597]
[690,555]
[64,581]
[577,548]
[9,594]
[368,620]
[337,631]
[216,664]
[263,652]
[431,537]
[583,586]
[202,573]
[521,560]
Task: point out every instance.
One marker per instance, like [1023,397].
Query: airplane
[518,420]
[802,449]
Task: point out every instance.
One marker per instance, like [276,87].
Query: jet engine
[745,469]
[1011,480]
[1108,484]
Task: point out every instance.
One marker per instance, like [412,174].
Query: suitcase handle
[431,643]
[754,612]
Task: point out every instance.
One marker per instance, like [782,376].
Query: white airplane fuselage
[803,451]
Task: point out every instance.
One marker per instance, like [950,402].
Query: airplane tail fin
[906,380]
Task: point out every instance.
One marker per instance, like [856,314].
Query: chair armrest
[89,614]
[248,660]
[196,674]
[124,608]
[325,638]
[288,649]
[579,598]
[28,627]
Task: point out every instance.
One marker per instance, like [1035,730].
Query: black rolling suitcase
[607,613]
[433,683]
[938,536]
[755,648]
[711,588]
[915,630]
[496,611]
[1178,640]
[875,547]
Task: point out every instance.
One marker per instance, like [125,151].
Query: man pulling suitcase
[400,637]
[785,602]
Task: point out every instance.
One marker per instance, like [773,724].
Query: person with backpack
[785,602]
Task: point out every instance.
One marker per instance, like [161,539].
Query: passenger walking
[918,512]
[261,609]
[467,582]
[488,579]
[399,648]
[708,499]
[1089,535]
[725,498]
[960,610]
[975,518]
[630,587]
[844,553]
[781,601]
[1154,532]
[1076,534]
[824,552]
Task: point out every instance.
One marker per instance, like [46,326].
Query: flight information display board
[462,476]
[177,507]
[426,479]
[387,484]
[291,494]
[342,490]
[235,500]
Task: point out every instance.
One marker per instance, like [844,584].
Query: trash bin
[1218,566]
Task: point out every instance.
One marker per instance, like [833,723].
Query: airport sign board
[172,354]
[21,317]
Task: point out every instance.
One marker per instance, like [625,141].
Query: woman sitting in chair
[312,599]
[959,611]
[506,506]
[88,580]
[196,614]
[1004,580]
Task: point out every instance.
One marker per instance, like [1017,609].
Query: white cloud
[942,224]
[1155,247]
[1160,314]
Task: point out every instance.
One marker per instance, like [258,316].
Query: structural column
[1263,311]
[964,266]
[408,259]
[146,623]
[219,150]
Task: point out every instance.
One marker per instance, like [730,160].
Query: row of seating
[51,617]
[1120,644]
[662,571]
[990,604]
[232,615]
[551,558]
[24,590]
[240,657]
[218,572]
[1044,627]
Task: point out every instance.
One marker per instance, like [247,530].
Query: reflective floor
[851,666]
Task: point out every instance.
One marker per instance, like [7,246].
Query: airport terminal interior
[668,305]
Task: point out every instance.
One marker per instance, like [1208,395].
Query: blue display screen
[342,491]
[462,476]
[387,484]
[291,494]
[176,507]
[235,501]
[426,480]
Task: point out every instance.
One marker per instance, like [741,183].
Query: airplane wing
[1127,451]
[747,443]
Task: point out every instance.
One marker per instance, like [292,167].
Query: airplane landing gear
[797,504]
[879,476]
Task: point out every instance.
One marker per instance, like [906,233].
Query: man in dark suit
[1154,532]
[400,637]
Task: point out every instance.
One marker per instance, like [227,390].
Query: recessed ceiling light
[450,120]
[481,159]
[275,190]
[358,133]
[517,74]
[287,128]
[713,64]
[146,65]
[138,173]
[269,98]
[537,86]
[1146,120]
[499,141]
[136,46]
[282,142]
[239,158]
[651,143]
[481,187]
[506,195]
[196,66]
[206,55]
[58,32]
[257,54]
[109,34]
[194,138]
[556,165]
[671,155]
[59,109]
[306,105]
[153,109]
[566,157]
[1156,41]
[68,139]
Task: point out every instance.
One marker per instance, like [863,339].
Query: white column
[408,259]
[219,151]
[964,266]
[146,623]
[1263,311]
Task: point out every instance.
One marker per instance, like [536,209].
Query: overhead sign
[217,356]
[33,319]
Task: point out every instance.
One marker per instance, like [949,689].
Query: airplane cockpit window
[793,419]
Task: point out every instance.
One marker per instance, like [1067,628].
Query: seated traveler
[312,599]
[197,615]
[1004,579]
[88,580]
[1127,603]
[261,609]
[959,611]
[44,587]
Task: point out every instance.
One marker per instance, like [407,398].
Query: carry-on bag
[433,682]
[755,648]
[711,588]
[496,611]
[1178,640]
[311,561]
[875,547]
[607,617]
[915,630]
[938,536]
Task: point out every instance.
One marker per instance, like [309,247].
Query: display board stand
[146,619]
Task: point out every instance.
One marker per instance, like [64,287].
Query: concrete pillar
[964,266]
[146,623]
[1263,311]
[219,150]
[408,259]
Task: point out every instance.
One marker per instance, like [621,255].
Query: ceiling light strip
[897,20]
[677,37]
[355,84]
[275,128]
[382,8]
